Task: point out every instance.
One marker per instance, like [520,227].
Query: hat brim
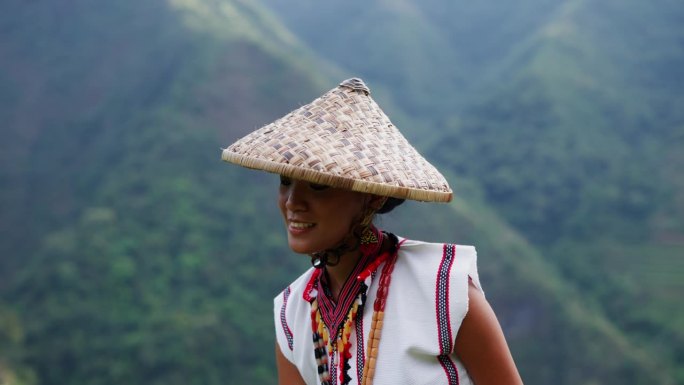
[337,181]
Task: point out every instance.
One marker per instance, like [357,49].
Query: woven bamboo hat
[342,139]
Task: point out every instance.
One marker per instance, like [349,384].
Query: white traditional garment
[426,304]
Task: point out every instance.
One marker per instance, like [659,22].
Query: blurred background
[130,254]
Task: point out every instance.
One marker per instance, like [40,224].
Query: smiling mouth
[301,225]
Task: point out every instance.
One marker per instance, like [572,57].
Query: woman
[374,308]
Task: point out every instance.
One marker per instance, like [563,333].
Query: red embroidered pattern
[332,322]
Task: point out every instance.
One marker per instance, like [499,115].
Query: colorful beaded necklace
[328,346]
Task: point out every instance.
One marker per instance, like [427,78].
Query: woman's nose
[296,196]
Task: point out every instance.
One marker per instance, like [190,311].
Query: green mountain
[131,254]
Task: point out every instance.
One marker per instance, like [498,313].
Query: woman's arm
[482,347]
[287,373]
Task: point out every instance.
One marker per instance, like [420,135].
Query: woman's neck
[338,274]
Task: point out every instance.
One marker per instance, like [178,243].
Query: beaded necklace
[378,317]
[325,347]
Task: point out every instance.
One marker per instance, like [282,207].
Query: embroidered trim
[283,319]
[449,368]
[338,339]
[360,353]
[442,300]
[445,336]
[334,312]
[333,368]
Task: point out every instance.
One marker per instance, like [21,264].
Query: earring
[368,236]
[319,260]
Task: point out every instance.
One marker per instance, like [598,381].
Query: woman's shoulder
[436,249]
[428,259]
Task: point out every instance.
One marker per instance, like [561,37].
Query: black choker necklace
[322,259]
[331,257]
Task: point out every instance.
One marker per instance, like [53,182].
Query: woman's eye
[318,187]
[285,181]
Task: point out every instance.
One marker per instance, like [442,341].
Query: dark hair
[389,205]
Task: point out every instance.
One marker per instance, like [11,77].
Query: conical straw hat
[342,139]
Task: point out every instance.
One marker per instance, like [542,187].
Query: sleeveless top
[427,301]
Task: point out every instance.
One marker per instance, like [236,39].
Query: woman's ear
[376,202]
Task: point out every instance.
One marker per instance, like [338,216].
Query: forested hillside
[131,254]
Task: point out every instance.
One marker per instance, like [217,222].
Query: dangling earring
[368,235]
[319,260]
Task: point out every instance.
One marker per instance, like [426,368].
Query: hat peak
[356,84]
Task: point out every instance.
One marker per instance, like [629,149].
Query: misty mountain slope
[84,78]
[389,43]
[592,107]
[119,237]
[432,54]
[133,255]
[591,128]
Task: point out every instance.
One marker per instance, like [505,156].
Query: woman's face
[317,217]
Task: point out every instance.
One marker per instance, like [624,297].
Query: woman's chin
[301,248]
